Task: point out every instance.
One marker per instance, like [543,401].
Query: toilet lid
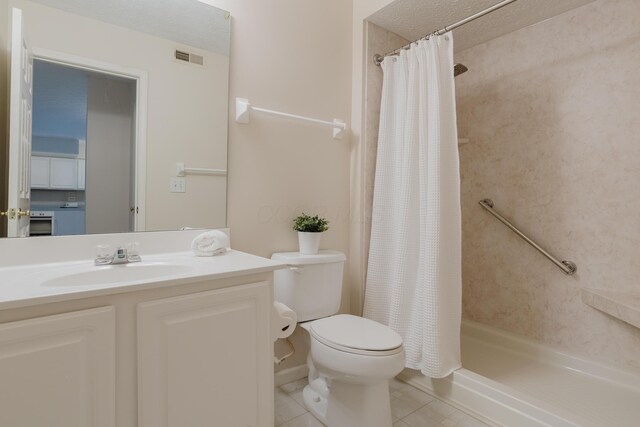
[352,332]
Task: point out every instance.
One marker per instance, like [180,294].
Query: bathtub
[509,380]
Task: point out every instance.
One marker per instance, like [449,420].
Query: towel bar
[244,107]
[182,170]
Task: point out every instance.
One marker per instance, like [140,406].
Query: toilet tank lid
[296,258]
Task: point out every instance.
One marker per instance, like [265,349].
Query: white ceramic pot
[309,243]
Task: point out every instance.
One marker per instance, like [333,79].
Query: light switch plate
[178,185]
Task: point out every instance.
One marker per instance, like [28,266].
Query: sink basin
[109,274]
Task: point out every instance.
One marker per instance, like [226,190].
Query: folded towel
[210,243]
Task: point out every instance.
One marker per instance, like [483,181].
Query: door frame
[141,79]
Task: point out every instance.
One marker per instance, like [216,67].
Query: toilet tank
[311,285]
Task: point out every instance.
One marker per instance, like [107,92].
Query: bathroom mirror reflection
[117,116]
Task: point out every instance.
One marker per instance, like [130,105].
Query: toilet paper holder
[284,322]
[292,351]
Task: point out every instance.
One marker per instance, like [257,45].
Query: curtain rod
[377,58]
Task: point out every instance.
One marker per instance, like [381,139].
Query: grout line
[408,387]
[402,419]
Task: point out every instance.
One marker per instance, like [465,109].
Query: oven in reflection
[42,223]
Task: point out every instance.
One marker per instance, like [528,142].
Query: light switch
[178,185]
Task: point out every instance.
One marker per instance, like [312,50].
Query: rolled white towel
[210,243]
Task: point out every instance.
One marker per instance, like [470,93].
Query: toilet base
[349,405]
[315,404]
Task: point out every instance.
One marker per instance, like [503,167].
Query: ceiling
[189,22]
[413,19]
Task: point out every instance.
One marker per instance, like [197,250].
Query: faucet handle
[133,249]
[120,255]
[103,255]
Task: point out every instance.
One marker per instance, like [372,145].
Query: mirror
[117,116]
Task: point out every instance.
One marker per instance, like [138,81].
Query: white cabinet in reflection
[59,371]
[81,173]
[64,174]
[205,359]
[57,173]
[40,171]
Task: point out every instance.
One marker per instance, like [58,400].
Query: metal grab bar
[567,267]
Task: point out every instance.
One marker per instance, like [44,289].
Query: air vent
[182,56]
[192,58]
[196,59]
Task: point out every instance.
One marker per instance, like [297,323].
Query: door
[20,110]
[205,359]
[59,371]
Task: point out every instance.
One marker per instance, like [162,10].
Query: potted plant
[310,229]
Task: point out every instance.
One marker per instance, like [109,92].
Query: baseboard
[291,374]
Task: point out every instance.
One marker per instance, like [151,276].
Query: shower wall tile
[379,41]
[552,112]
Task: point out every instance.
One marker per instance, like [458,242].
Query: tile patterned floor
[410,407]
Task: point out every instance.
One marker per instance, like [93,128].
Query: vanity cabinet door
[206,359]
[59,371]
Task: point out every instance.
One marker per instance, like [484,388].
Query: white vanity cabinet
[202,359]
[182,351]
[59,371]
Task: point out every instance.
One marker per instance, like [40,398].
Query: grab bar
[567,267]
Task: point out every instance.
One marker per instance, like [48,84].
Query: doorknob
[10,213]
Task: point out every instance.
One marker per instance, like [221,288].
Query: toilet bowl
[350,363]
[351,358]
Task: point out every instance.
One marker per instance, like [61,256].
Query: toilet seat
[357,335]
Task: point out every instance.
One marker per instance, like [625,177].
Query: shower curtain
[414,272]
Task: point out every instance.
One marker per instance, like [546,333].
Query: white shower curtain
[414,273]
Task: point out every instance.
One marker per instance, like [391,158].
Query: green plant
[310,224]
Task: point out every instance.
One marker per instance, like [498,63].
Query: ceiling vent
[192,58]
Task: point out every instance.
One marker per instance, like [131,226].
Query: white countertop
[32,284]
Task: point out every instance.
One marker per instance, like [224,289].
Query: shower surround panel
[551,113]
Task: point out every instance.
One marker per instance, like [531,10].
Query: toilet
[351,358]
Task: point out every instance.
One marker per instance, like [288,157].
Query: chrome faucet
[121,256]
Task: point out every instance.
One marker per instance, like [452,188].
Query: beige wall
[551,112]
[4,101]
[198,139]
[293,56]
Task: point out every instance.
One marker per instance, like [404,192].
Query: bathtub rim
[549,354]
[497,404]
